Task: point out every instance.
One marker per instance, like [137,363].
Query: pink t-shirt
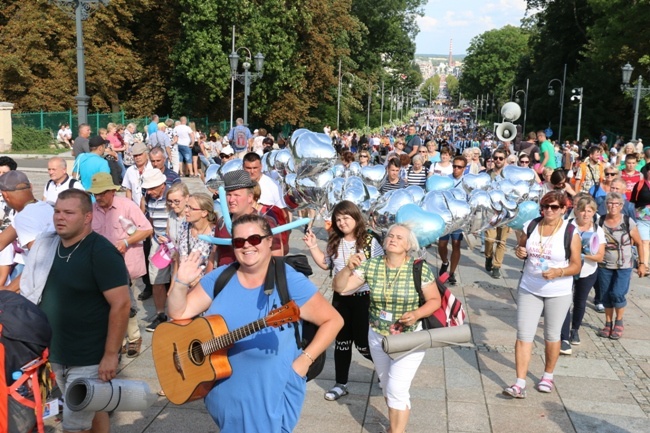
[106,222]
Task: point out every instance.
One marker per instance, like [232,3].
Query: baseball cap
[97,141]
[237,179]
[227,150]
[14,180]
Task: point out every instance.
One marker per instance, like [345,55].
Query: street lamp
[517,100]
[578,94]
[338,97]
[638,92]
[247,77]
[551,92]
[80,10]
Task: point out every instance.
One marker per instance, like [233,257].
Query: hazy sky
[461,20]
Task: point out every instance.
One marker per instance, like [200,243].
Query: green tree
[492,61]
[453,87]
[430,88]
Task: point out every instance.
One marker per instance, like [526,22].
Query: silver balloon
[417,192]
[296,134]
[535,193]
[506,210]
[472,182]
[355,191]
[515,191]
[434,202]
[338,170]
[373,175]
[232,165]
[483,215]
[292,197]
[311,168]
[310,145]
[212,178]
[459,209]
[517,174]
[354,169]
[283,162]
[384,210]
[373,194]
[458,193]
[313,188]
[334,192]
[267,162]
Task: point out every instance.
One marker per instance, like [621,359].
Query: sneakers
[452,280]
[488,264]
[565,348]
[146,294]
[574,338]
[443,268]
[160,318]
[600,308]
[133,348]
[496,273]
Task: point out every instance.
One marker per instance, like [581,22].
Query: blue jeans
[184,154]
[206,161]
[614,285]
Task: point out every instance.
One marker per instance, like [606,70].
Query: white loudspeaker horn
[506,131]
[510,111]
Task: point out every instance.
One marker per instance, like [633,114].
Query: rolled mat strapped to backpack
[399,345]
[116,395]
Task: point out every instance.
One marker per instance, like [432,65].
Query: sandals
[617,332]
[545,385]
[606,332]
[514,391]
[336,392]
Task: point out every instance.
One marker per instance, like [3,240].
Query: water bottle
[543,265]
[128,225]
[171,248]
[24,389]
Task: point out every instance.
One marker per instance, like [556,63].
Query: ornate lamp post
[80,10]
[247,77]
[551,92]
[638,92]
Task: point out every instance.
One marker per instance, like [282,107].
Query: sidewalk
[603,387]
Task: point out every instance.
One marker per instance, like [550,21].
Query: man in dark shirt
[80,144]
[413,142]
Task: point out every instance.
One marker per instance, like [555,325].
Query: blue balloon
[290,226]
[439,183]
[426,226]
[216,241]
[224,210]
[526,211]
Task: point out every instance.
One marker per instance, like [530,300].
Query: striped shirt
[419,179]
[387,186]
[158,213]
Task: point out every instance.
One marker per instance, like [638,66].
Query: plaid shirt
[391,293]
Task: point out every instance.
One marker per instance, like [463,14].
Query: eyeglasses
[610,174]
[458,166]
[614,204]
[499,158]
[552,207]
[176,202]
[253,240]
[187,206]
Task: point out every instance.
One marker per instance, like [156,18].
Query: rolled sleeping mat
[590,243]
[399,345]
[116,395]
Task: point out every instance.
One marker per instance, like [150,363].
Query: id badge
[385,315]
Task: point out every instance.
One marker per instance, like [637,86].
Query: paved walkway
[603,387]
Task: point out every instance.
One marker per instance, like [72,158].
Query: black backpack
[276,273]
[568,234]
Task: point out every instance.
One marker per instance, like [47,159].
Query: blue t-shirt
[152,128]
[89,164]
[264,393]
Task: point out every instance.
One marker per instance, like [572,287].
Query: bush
[28,138]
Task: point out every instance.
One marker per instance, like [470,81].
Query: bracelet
[313,246]
[308,356]
[562,272]
[176,280]
[126,243]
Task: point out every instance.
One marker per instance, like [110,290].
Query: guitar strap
[276,272]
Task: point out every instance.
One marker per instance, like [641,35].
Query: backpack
[24,336]
[71,185]
[450,313]
[568,234]
[626,222]
[277,273]
[241,143]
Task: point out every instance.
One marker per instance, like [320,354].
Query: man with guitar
[266,389]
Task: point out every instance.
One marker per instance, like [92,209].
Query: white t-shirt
[347,249]
[589,266]
[439,169]
[550,248]
[184,134]
[258,145]
[51,190]
[270,193]
[33,220]
[133,181]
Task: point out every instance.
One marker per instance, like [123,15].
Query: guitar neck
[232,337]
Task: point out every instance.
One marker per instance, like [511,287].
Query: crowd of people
[126,214]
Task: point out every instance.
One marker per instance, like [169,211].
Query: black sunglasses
[254,240]
[553,207]
[499,158]
[458,166]
[610,174]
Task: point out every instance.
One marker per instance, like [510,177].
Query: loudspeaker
[506,131]
[510,111]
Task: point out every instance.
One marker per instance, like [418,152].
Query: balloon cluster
[312,177]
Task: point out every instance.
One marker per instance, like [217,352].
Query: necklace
[387,285]
[542,246]
[67,258]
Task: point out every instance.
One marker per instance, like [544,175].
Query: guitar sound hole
[196,352]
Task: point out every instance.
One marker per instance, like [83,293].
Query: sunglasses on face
[253,240]
[458,166]
[499,158]
[552,207]
[363,156]
[610,174]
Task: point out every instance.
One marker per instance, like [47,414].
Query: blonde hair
[205,203]
[178,187]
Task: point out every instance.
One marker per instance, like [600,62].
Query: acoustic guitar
[191,355]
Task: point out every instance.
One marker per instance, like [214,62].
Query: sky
[462,20]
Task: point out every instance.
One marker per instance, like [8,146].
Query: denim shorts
[65,375]
[644,229]
[184,154]
[455,236]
